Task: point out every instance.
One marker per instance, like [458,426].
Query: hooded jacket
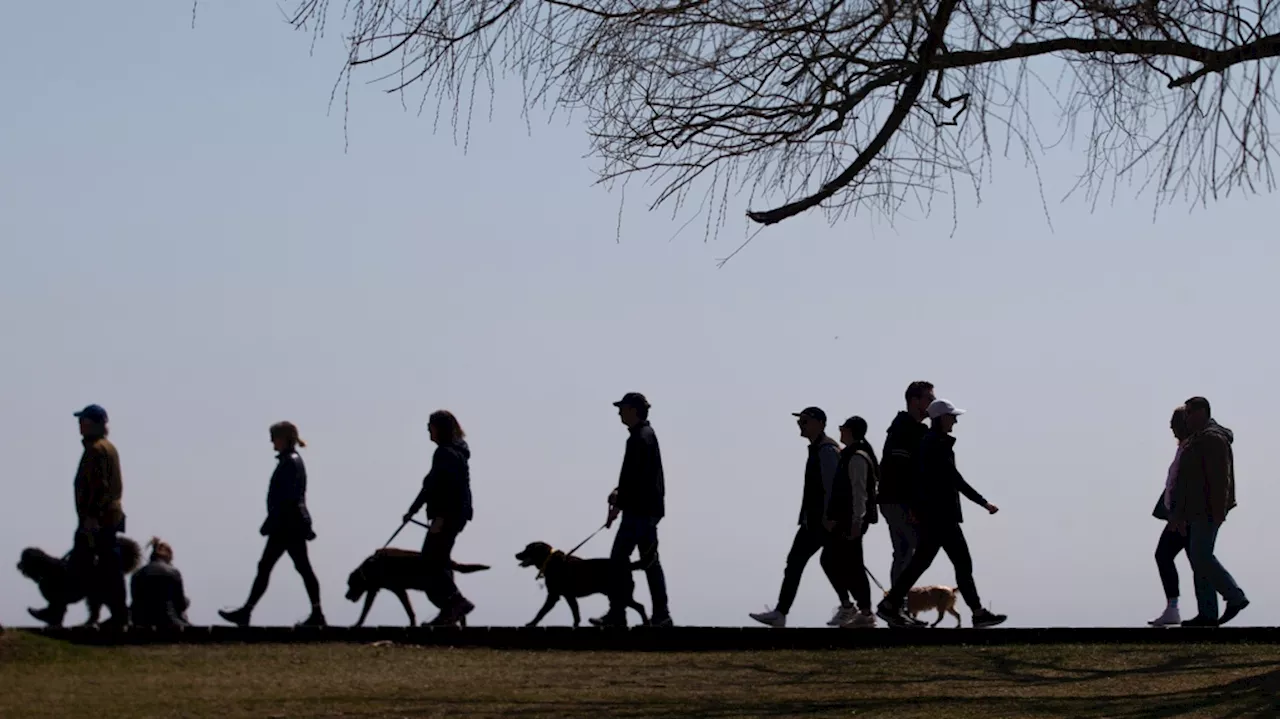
[446,490]
[1205,488]
[900,444]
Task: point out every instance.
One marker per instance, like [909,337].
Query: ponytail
[288,431]
[160,550]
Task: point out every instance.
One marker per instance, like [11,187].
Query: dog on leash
[936,597]
[397,571]
[574,577]
[62,586]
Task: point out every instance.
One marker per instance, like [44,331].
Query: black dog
[397,571]
[62,586]
[573,577]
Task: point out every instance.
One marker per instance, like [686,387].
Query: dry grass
[43,678]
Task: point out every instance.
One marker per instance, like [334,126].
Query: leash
[402,526]
[542,569]
[873,578]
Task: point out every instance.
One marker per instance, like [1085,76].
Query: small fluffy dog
[397,571]
[62,587]
[937,597]
[573,577]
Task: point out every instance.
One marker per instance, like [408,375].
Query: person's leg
[835,560]
[271,554]
[1167,549]
[902,535]
[859,586]
[302,562]
[890,608]
[647,543]
[110,575]
[625,542]
[1211,578]
[803,547]
[957,548]
[437,550]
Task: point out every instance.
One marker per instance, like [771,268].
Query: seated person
[159,599]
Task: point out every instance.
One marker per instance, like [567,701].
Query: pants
[642,533]
[94,555]
[1211,578]
[437,556]
[903,536]
[1167,549]
[934,536]
[806,544]
[849,559]
[277,546]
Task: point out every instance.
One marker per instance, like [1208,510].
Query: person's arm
[180,601]
[967,490]
[427,481]
[95,489]
[828,463]
[859,470]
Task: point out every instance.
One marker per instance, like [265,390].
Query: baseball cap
[632,399]
[855,422]
[811,413]
[93,413]
[940,407]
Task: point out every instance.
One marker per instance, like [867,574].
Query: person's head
[919,395]
[93,421]
[284,437]
[1198,413]
[444,428]
[160,550]
[943,415]
[1178,424]
[633,408]
[853,431]
[812,422]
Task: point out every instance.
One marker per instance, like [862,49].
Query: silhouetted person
[813,535]
[1203,493]
[159,599]
[936,486]
[1171,541]
[287,529]
[446,492]
[900,443]
[640,499]
[849,513]
[99,490]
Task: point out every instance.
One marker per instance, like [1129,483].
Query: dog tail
[130,554]
[469,568]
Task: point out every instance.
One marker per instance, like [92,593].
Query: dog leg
[368,604]
[573,607]
[959,621]
[546,607]
[403,596]
[644,618]
[941,613]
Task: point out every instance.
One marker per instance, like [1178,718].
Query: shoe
[460,609]
[1232,610]
[860,621]
[892,615]
[663,622]
[114,624]
[238,617]
[1199,621]
[609,621]
[842,616]
[48,615]
[986,618]
[315,620]
[772,618]
[1170,618]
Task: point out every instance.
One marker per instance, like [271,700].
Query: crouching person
[159,599]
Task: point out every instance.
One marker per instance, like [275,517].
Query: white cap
[940,407]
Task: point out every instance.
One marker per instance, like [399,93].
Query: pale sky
[186,242]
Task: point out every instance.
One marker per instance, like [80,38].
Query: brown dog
[937,597]
[573,577]
[397,571]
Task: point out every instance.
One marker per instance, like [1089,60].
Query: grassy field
[43,678]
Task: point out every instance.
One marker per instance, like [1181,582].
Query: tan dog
[937,597]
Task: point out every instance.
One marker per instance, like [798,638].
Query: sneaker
[460,609]
[842,616]
[892,615]
[238,617]
[772,618]
[1232,610]
[1170,618]
[663,622]
[609,621]
[860,621]
[1199,621]
[985,618]
[315,620]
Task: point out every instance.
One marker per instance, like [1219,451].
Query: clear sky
[186,242]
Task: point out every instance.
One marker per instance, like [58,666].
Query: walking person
[819,477]
[99,493]
[1172,542]
[287,528]
[159,598]
[446,493]
[935,502]
[849,514]
[900,443]
[640,498]
[1204,491]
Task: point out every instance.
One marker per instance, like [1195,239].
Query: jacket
[99,486]
[446,490]
[287,514]
[641,483]
[851,493]
[819,480]
[159,599]
[900,443]
[1205,488]
[937,484]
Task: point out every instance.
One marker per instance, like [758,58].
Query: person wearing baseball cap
[99,492]
[935,502]
[640,499]
[814,531]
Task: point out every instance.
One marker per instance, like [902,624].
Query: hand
[437,526]
[408,517]
[1179,527]
[991,508]
[613,515]
[613,498]
[828,524]
[911,517]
